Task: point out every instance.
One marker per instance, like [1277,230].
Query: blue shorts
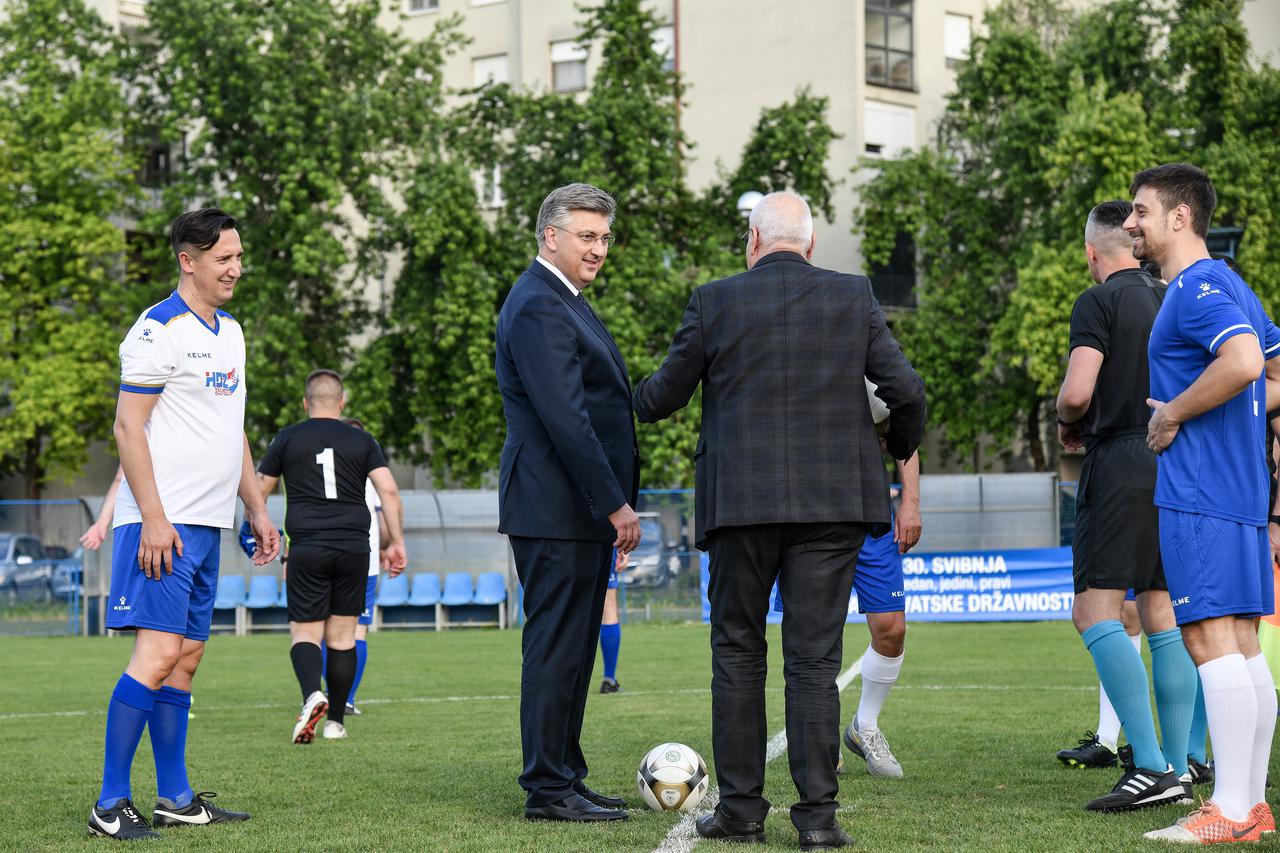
[877,579]
[613,579]
[1215,567]
[180,603]
[370,589]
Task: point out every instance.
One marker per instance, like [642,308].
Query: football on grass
[672,777]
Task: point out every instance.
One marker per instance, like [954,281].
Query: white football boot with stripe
[313,710]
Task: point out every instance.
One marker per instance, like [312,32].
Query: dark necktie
[582,300]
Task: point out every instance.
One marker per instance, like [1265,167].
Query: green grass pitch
[432,765]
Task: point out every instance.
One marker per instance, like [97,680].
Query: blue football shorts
[180,603]
[877,577]
[1215,567]
[370,590]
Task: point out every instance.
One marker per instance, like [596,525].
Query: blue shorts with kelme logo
[878,576]
[370,590]
[1215,567]
[178,603]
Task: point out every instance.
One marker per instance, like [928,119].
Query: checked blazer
[787,436]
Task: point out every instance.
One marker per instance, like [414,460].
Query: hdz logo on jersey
[223,384]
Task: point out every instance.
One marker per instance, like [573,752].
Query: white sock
[1108,730]
[1232,705]
[879,674]
[1264,687]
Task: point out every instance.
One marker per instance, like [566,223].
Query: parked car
[654,560]
[28,572]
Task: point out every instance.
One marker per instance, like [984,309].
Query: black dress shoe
[574,808]
[716,825]
[825,839]
[599,799]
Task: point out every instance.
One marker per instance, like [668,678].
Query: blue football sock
[1175,679]
[131,704]
[169,744]
[610,640]
[1125,678]
[1198,744]
[362,657]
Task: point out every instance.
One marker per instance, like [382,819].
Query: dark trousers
[564,585]
[813,565]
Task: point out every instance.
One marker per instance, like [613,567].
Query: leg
[1108,731]
[881,664]
[744,564]
[599,560]
[308,663]
[816,578]
[1174,676]
[362,641]
[340,668]
[610,640]
[562,621]
[1264,689]
[348,578]
[168,724]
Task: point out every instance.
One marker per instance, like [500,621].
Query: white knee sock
[1108,730]
[1232,705]
[1264,687]
[879,674]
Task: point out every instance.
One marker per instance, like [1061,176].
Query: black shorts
[1117,537]
[325,582]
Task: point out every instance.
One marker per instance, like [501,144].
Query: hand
[1273,533]
[1162,429]
[1069,436]
[94,536]
[907,527]
[266,536]
[394,558]
[627,525]
[156,547]
[623,561]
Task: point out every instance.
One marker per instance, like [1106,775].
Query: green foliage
[296,117]
[63,175]
[1055,112]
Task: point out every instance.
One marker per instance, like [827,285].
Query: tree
[297,117]
[1054,112]
[63,176]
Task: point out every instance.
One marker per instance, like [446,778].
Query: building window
[889,57]
[887,129]
[568,66]
[664,43]
[894,284]
[155,171]
[489,186]
[489,69]
[956,32]
[417,7]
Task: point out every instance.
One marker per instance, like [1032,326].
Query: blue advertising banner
[972,586]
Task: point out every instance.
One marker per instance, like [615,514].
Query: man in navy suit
[567,484]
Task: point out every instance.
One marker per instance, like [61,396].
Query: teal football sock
[1125,678]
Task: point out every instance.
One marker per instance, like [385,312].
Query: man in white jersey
[378,534]
[180,429]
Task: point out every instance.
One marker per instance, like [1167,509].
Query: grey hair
[783,217]
[562,201]
[1104,230]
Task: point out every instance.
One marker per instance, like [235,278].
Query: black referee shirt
[1115,318]
[324,464]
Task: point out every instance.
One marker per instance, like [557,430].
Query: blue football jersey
[1215,465]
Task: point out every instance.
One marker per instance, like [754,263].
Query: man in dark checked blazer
[567,482]
[789,482]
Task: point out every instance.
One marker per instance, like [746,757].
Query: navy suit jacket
[570,457]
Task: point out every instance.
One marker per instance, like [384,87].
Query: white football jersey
[196,430]
[375,534]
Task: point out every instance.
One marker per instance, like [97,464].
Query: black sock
[340,673]
[307,665]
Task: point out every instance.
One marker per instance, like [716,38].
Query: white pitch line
[683,837]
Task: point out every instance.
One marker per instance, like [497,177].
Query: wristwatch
[1273,519]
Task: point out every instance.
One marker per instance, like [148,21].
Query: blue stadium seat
[491,588]
[458,589]
[425,590]
[230,593]
[393,592]
[264,591]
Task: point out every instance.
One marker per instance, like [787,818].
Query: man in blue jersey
[1207,352]
[180,429]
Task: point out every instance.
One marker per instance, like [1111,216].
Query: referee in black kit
[325,464]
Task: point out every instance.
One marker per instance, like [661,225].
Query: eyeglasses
[745,237]
[606,240]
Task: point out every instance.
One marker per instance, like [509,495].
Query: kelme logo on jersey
[223,384]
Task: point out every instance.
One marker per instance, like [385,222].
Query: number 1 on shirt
[325,460]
